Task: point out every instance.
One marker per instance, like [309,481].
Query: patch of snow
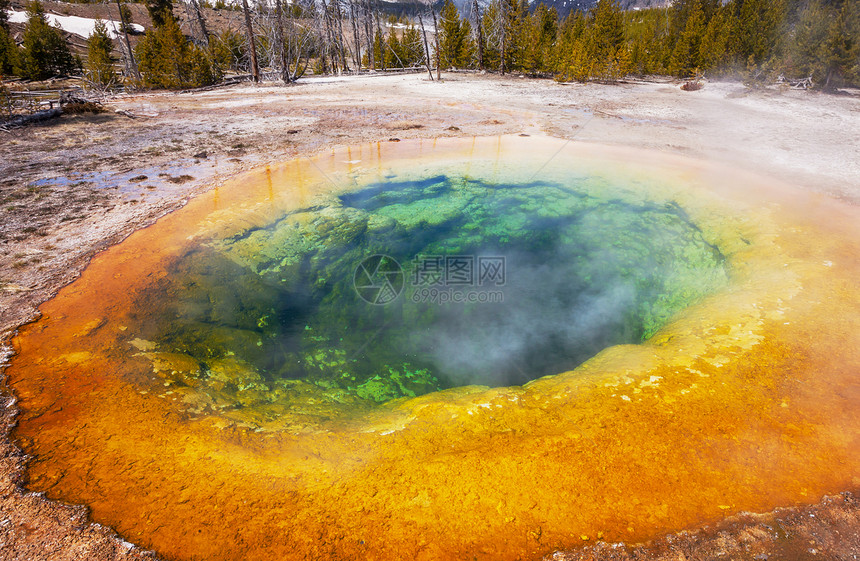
[74,24]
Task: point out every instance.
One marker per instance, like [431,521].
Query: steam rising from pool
[504,283]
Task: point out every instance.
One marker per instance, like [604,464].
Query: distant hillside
[563,7]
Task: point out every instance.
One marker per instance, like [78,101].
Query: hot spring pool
[487,348]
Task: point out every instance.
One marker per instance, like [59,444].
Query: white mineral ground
[49,231]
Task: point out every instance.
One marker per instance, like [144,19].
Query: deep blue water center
[498,284]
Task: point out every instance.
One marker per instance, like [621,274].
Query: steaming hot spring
[488,348]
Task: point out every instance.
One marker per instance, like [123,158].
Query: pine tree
[4,15]
[685,56]
[167,59]
[491,22]
[757,25]
[608,48]
[647,34]
[8,48]
[514,18]
[569,40]
[378,51]
[841,48]
[393,51]
[713,49]
[8,54]
[412,47]
[45,53]
[455,39]
[127,19]
[803,58]
[229,50]
[540,31]
[100,60]
[607,27]
[160,11]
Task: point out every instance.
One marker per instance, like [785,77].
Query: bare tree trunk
[503,28]
[381,39]
[200,21]
[325,35]
[368,29]
[330,41]
[480,29]
[356,36]
[131,65]
[300,70]
[249,29]
[436,34]
[426,46]
[282,43]
[299,52]
[191,30]
[341,38]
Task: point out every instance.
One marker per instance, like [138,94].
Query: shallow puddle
[487,348]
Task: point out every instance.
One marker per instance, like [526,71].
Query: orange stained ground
[746,401]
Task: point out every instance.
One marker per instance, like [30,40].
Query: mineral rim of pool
[676,342]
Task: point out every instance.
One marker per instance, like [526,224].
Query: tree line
[761,40]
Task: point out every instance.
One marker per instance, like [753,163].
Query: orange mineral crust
[745,401]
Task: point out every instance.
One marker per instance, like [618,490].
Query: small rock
[453,128]
[181,179]
[393,140]
[138,178]
[201,155]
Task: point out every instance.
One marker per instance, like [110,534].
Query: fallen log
[38,116]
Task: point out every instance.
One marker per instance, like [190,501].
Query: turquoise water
[410,286]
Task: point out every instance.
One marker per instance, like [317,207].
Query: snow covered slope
[74,24]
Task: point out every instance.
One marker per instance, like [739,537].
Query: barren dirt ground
[78,184]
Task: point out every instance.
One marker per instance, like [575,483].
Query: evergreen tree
[100,60]
[8,54]
[393,51]
[685,56]
[412,47]
[378,53]
[569,41]
[608,49]
[229,50]
[8,48]
[167,59]
[841,48]
[514,19]
[127,18]
[45,53]
[4,15]
[647,35]
[455,38]
[607,27]
[491,22]
[756,27]
[713,49]
[540,32]
[160,11]
[812,28]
